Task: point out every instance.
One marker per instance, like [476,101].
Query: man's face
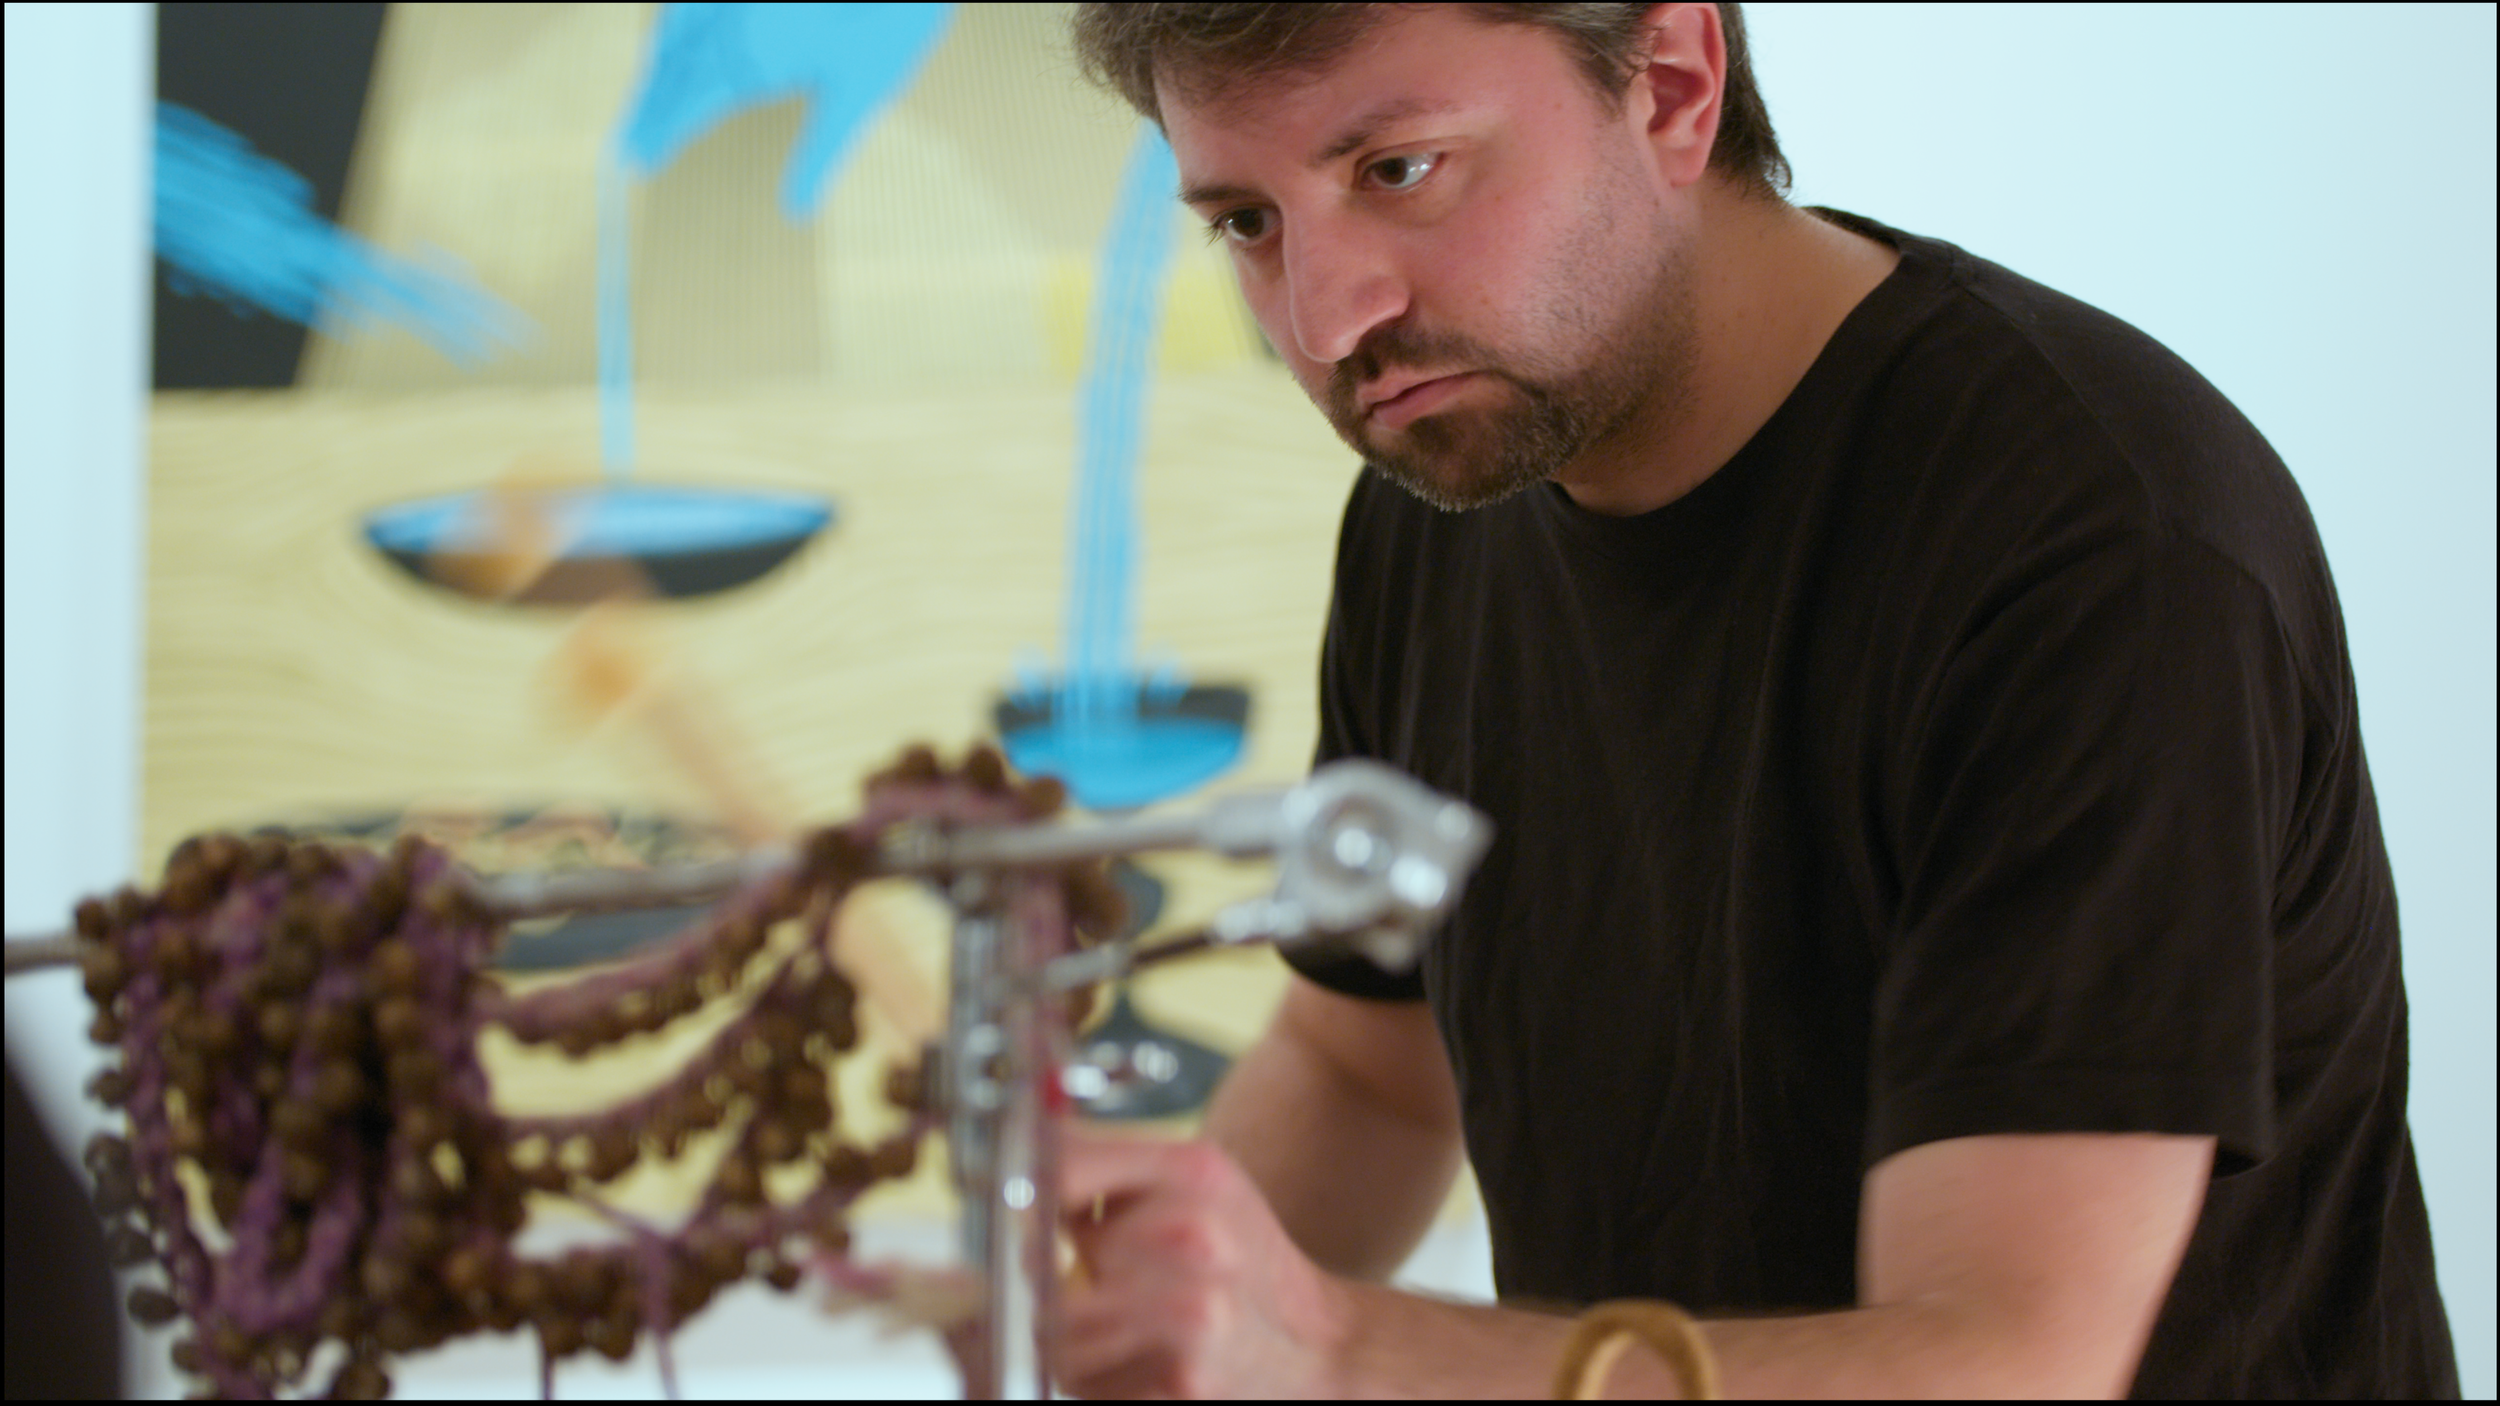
[1456,247]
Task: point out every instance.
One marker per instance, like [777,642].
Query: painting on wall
[600,434]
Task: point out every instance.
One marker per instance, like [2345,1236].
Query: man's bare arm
[1345,1116]
[2017,1265]
[2006,1266]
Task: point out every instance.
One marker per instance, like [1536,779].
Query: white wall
[2298,200]
[80,85]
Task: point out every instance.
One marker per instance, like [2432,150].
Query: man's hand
[1188,1286]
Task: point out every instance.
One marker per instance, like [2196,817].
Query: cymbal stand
[1367,861]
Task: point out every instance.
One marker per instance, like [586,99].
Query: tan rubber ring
[1606,1331]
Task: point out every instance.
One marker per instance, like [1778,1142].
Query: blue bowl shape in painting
[673,542]
[1170,744]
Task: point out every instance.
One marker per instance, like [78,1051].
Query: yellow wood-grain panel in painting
[291,671]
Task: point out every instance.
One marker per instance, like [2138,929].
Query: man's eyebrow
[1217,194]
[1361,132]
[1367,128]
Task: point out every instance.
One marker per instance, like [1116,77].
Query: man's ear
[1676,94]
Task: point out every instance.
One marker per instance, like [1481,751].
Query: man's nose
[1338,289]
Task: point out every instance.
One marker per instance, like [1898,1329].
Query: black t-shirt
[1976,752]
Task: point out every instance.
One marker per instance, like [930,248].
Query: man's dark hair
[1211,51]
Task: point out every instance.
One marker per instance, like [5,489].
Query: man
[1938,932]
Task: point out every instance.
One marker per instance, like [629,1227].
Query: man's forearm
[1404,1345]
[1354,1185]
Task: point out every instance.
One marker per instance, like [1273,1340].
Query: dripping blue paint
[709,62]
[1116,740]
[232,224]
[704,64]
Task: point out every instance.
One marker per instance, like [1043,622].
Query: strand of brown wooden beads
[297,1028]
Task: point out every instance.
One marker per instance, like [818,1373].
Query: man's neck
[1771,284]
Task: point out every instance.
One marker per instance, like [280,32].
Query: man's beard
[1536,420]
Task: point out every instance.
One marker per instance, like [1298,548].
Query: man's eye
[1244,226]
[1402,172]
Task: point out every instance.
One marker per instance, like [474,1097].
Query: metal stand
[1366,859]
[1001,1058]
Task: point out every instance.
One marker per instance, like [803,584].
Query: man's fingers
[1098,1329]
[1117,1346]
[1097,1168]
[1142,1240]
[1147,1378]
[1175,1296]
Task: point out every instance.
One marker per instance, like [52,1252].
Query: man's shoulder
[2046,405]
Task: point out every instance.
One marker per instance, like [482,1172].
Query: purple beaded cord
[312,1154]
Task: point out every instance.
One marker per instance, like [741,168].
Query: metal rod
[1026,846]
[33,952]
[533,895]
[975,1051]
[998,1056]
[527,895]
[1113,960]
[1237,826]
[1025,1214]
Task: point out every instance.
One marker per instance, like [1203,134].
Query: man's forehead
[1403,67]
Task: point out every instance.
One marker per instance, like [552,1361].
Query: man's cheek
[1313,377]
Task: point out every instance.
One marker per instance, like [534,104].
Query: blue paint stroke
[1113,748]
[235,225]
[1100,685]
[616,333]
[709,62]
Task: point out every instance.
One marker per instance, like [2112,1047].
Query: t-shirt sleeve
[2090,814]
[1344,733]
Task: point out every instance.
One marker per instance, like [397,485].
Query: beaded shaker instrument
[314,1160]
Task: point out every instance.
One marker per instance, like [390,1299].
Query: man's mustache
[1401,348]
